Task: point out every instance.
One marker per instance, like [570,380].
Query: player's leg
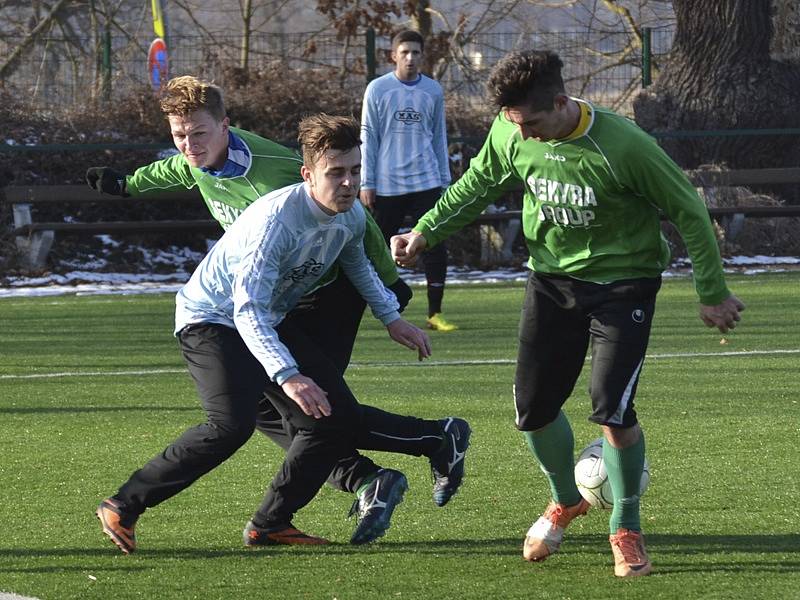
[229,382]
[444,442]
[317,446]
[434,261]
[620,332]
[377,490]
[553,338]
[330,318]
[349,474]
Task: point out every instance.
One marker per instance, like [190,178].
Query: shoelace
[554,514]
[629,548]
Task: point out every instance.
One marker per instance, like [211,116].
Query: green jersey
[591,205]
[262,167]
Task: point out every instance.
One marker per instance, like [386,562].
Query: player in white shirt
[405,165]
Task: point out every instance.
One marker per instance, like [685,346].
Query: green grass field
[92,387]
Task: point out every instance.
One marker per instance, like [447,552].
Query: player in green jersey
[232,168]
[595,187]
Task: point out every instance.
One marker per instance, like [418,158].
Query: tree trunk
[720,75]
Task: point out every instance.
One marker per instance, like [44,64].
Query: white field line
[368,365]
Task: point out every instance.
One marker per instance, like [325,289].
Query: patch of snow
[86,282]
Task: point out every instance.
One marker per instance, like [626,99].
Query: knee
[622,437]
[230,433]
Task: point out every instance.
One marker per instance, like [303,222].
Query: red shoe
[258,536]
[630,557]
[117,524]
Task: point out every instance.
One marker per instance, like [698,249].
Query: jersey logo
[310,268]
[558,157]
[408,116]
[224,213]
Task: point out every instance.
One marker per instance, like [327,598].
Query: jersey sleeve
[439,142]
[378,252]
[171,173]
[655,176]
[370,139]
[361,273]
[488,177]
[252,302]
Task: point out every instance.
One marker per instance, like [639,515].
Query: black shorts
[390,212]
[561,316]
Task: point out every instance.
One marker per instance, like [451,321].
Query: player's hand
[724,315]
[311,398]
[410,336]
[106,180]
[406,247]
[367,198]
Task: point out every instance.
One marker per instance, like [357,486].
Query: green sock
[624,467]
[554,446]
[365,484]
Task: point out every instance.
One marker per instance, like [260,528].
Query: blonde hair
[322,132]
[187,94]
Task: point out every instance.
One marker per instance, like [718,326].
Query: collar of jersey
[408,83]
[238,161]
[320,215]
[584,122]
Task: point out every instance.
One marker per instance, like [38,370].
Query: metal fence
[601,66]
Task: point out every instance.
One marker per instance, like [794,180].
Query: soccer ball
[592,479]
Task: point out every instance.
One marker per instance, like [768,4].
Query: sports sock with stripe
[553,447]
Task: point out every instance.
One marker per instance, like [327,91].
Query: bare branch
[7,67]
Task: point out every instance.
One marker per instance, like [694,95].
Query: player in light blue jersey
[405,164]
[239,336]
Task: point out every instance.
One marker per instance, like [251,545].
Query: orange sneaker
[630,557]
[259,536]
[545,535]
[117,524]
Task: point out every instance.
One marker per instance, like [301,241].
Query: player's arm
[382,302]
[489,176]
[663,183]
[439,142]
[378,254]
[169,174]
[255,320]
[370,146]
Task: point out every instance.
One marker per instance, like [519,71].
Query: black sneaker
[447,465]
[374,506]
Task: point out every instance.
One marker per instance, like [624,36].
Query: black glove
[107,181]
[403,293]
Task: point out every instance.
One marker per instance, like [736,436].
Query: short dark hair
[408,35]
[187,94]
[529,77]
[322,132]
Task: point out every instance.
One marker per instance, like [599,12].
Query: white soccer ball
[592,479]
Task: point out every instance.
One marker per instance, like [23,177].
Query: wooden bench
[34,239]
[498,228]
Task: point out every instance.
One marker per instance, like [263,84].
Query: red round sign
[157,63]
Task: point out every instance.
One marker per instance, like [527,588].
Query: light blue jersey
[404,136]
[273,254]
